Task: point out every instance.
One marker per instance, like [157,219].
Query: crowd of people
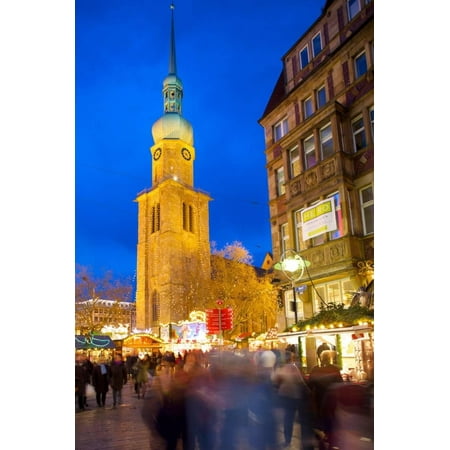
[221,399]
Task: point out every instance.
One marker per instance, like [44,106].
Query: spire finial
[172,57]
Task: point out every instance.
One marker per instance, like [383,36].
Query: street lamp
[293,267]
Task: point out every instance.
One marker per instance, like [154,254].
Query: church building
[173,250]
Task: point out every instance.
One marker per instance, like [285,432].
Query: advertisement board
[319,219]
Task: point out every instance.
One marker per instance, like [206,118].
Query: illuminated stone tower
[173,251]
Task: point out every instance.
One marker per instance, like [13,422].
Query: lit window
[339,221]
[359,133]
[360,65]
[299,242]
[367,208]
[304,57]
[309,152]
[290,308]
[308,107]
[294,158]
[284,237]
[353,8]
[321,97]
[326,142]
[280,129]
[335,292]
[279,178]
[316,44]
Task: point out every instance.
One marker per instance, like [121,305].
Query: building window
[339,232]
[309,152]
[280,182]
[326,142]
[299,242]
[353,8]
[304,57]
[335,292]
[359,133]
[284,237]
[308,107]
[367,209]
[360,65]
[321,97]
[316,44]
[294,159]
[289,304]
[371,115]
[280,129]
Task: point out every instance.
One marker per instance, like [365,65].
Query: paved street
[122,428]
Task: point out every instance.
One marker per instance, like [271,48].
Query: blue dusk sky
[229,59]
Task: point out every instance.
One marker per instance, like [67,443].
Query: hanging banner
[319,219]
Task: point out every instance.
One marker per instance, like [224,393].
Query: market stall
[94,346]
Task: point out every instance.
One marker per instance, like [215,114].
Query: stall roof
[353,329]
[85,342]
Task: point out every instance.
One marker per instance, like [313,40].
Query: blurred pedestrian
[81,380]
[321,379]
[118,378]
[163,411]
[142,375]
[295,397]
[89,367]
[199,399]
[100,380]
[261,403]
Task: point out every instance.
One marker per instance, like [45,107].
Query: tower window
[156,221]
[156,307]
[188,217]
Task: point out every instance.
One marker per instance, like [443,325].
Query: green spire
[172,86]
[172,56]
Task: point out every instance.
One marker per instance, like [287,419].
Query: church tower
[173,251]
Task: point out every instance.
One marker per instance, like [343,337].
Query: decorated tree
[244,288]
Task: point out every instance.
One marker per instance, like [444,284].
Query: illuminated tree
[243,287]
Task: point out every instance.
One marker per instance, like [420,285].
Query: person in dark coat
[89,367]
[81,380]
[321,379]
[100,380]
[118,377]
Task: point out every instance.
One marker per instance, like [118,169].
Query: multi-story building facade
[96,313]
[319,144]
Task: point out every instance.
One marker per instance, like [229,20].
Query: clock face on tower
[157,154]
[186,154]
